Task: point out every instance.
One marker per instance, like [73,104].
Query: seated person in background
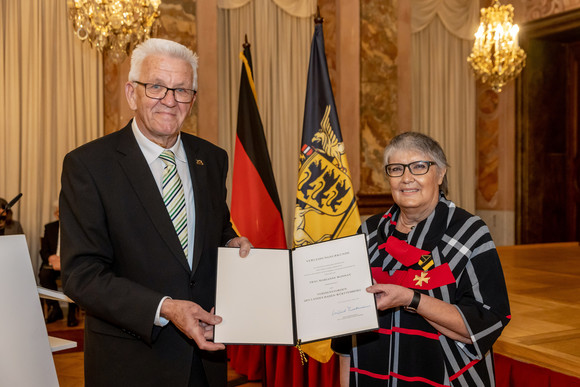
[8,226]
[50,271]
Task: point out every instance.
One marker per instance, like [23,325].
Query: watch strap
[412,307]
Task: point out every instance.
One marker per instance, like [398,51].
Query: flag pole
[318,19]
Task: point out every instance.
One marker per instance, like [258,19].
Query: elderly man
[143,211]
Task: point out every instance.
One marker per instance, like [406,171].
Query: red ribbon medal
[402,251]
[416,279]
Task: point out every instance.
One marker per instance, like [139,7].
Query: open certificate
[280,296]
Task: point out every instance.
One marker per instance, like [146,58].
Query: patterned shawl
[449,256]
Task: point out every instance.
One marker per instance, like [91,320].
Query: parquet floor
[543,283]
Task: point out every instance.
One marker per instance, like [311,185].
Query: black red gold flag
[255,208]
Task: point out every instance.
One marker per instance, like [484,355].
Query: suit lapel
[198,173]
[139,175]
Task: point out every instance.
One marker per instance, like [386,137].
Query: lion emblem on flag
[325,199]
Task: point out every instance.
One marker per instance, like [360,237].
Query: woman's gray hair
[421,143]
[161,47]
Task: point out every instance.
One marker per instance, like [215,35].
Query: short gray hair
[424,144]
[161,47]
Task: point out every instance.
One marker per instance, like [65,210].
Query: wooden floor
[69,366]
[543,283]
[544,288]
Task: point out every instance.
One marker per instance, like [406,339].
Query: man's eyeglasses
[155,91]
[416,168]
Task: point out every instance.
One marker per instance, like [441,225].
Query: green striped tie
[174,197]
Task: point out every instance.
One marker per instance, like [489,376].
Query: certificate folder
[310,293]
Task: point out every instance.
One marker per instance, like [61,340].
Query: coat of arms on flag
[325,199]
[326,205]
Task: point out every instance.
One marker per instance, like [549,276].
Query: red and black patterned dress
[449,256]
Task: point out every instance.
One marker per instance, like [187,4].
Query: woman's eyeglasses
[416,168]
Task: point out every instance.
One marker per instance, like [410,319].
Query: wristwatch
[412,307]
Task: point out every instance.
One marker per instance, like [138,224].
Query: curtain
[510,372]
[297,8]
[50,102]
[460,17]
[280,46]
[443,87]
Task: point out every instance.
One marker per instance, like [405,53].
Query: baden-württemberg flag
[326,205]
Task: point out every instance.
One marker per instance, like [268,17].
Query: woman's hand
[391,296]
[441,315]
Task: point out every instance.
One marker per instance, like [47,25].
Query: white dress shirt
[151,151]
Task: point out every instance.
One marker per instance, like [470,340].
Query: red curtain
[280,366]
[247,360]
[510,372]
[284,369]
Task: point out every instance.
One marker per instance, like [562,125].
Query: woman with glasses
[440,290]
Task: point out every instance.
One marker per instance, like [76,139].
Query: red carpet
[70,334]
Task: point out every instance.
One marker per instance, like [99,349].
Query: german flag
[255,208]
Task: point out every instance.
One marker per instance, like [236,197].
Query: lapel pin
[199,162]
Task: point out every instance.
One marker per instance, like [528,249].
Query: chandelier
[496,57]
[114,25]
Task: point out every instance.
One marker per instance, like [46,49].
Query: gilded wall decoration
[543,8]
[527,10]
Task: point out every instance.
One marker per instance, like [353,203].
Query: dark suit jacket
[49,241]
[47,276]
[120,255]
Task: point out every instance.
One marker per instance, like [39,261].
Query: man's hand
[191,319]
[243,243]
[54,261]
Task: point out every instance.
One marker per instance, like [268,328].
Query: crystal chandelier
[114,25]
[496,57]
